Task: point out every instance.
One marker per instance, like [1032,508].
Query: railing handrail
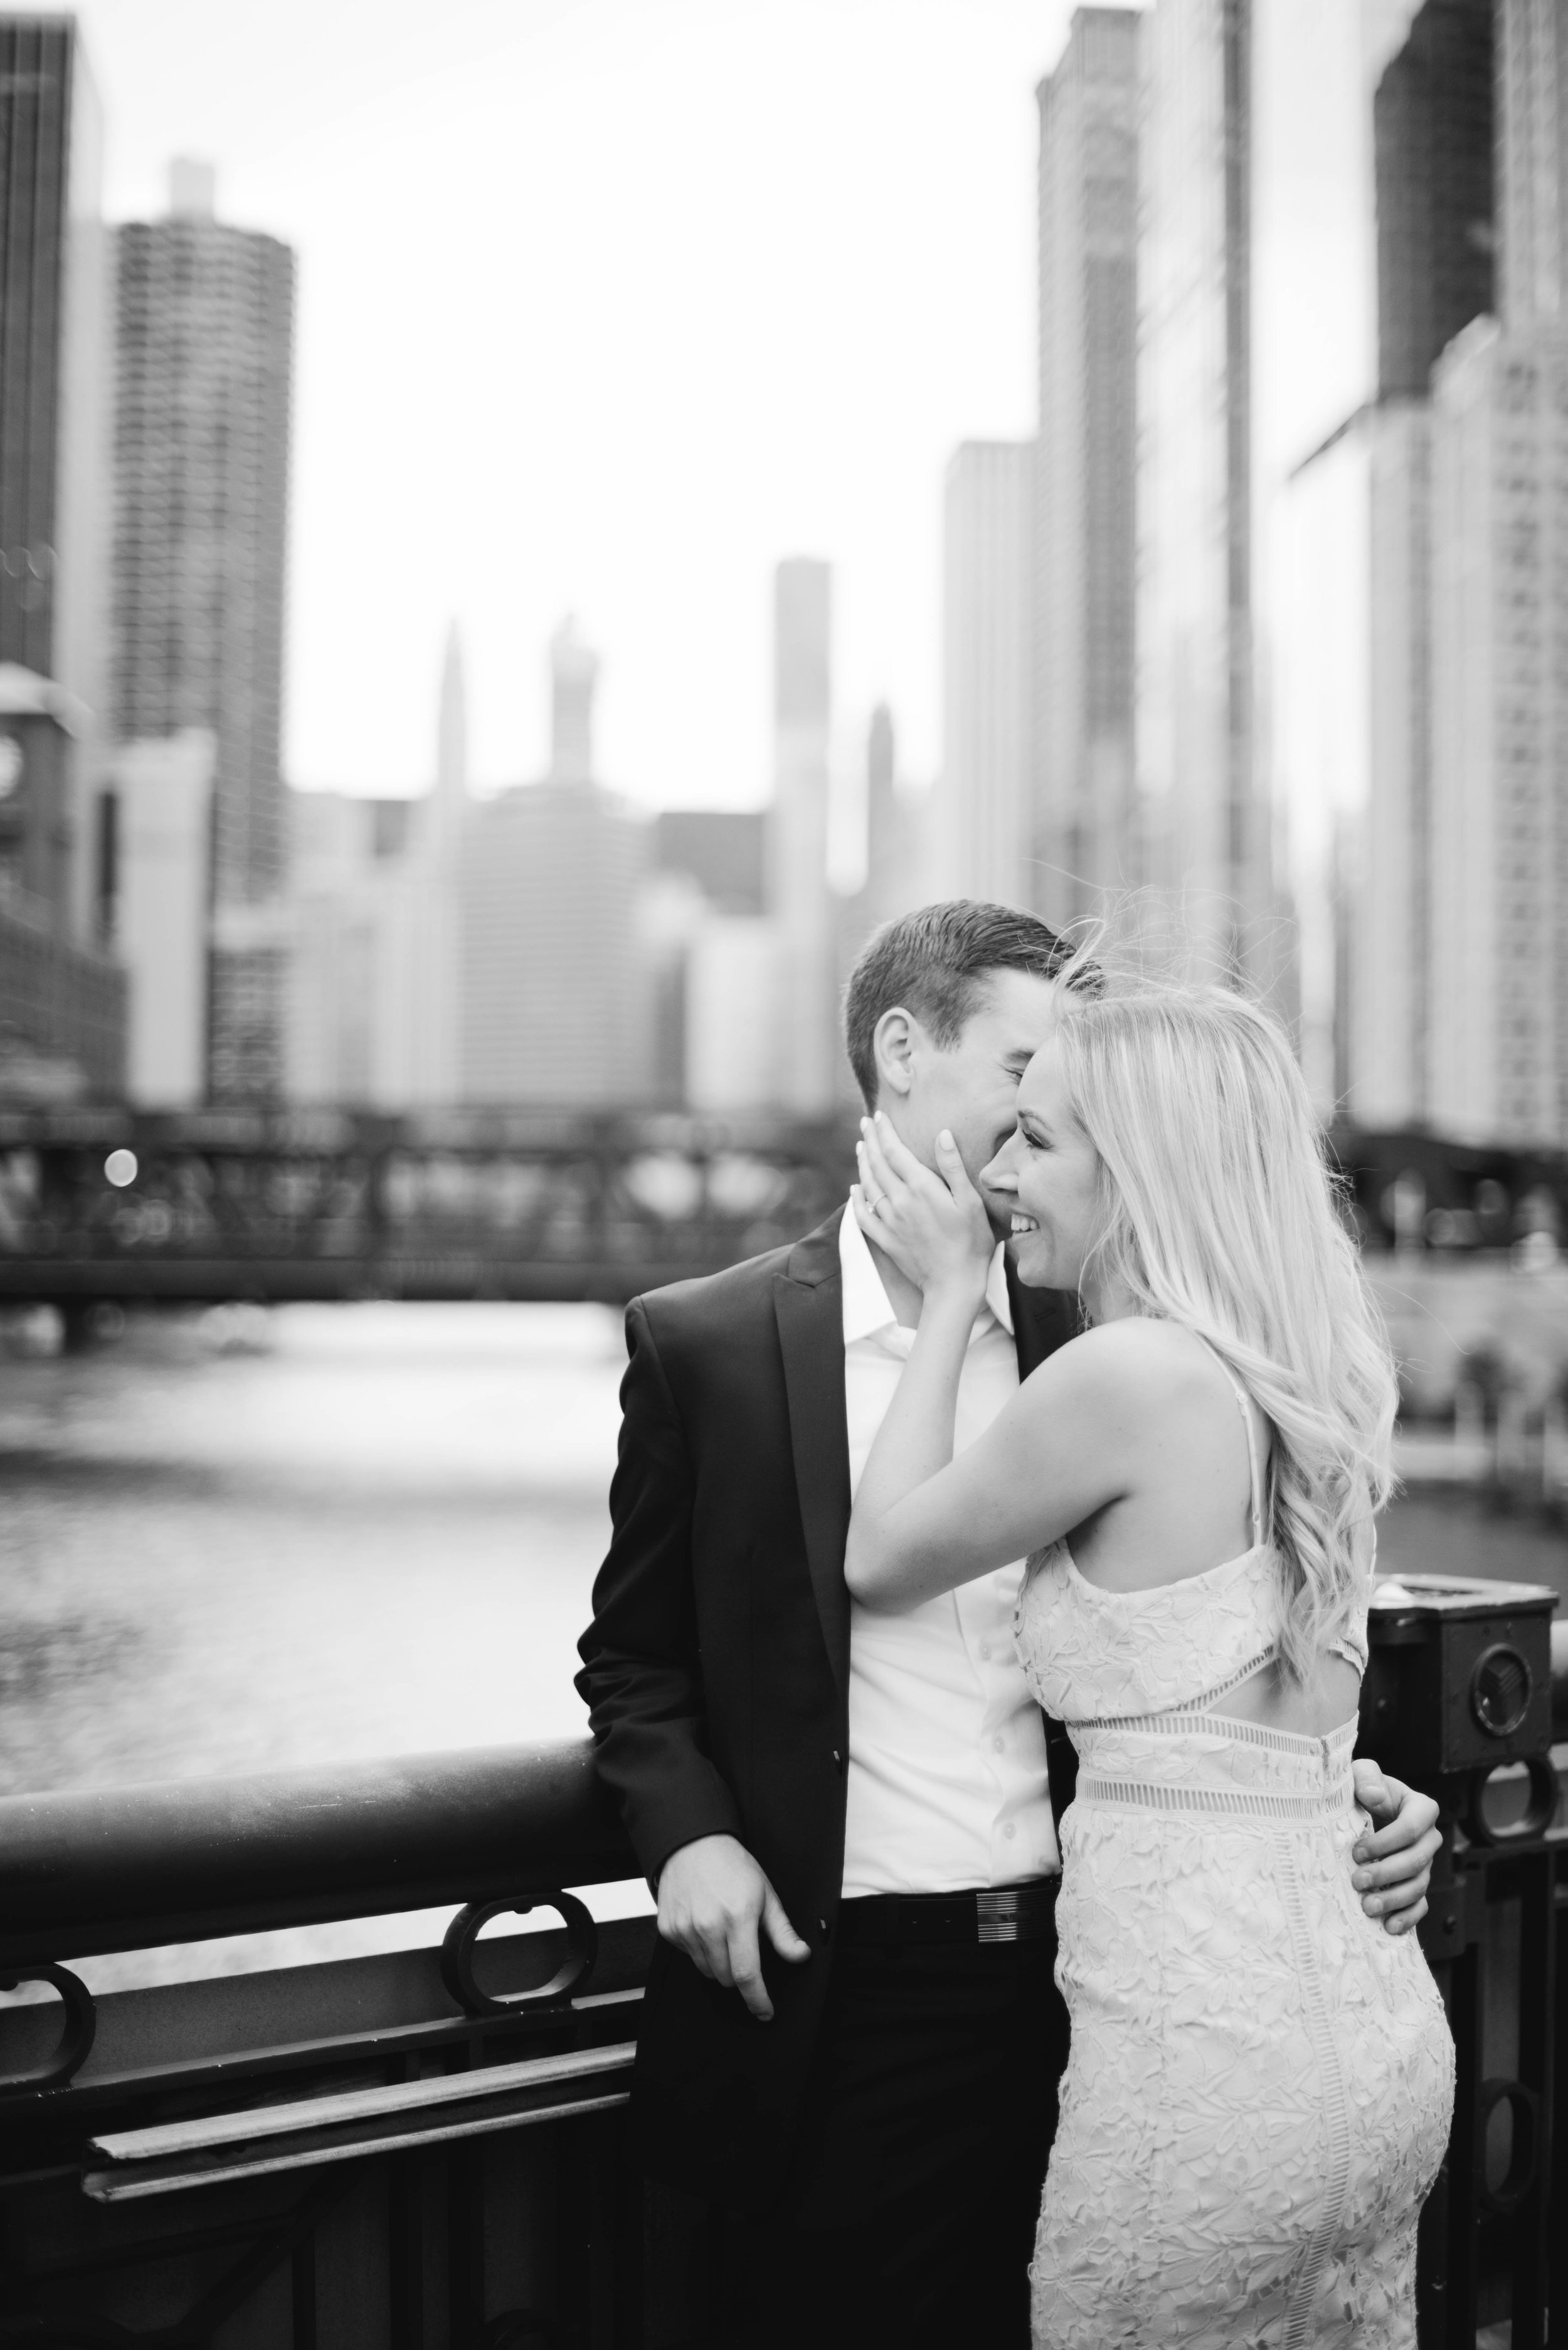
[125,1868]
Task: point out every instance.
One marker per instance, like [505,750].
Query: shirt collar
[867,1309]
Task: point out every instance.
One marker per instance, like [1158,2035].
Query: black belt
[1002,1913]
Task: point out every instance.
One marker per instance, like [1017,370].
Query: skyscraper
[896,829]
[352,1001]
[551,1008]
[798,835]
[432,912]
[157,821]
[1386,910]
[62,1005]
[61,1002]
[1532,80]
[201,442]
[56,359]
[1204,818]
[1499,943]
[1433,169]
[706,880]
[1084,538]
[984,838]
[1497,960]
[1433,157]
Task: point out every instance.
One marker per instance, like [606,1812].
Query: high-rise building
[1498,944]
[351,1002]
[157,815]
[719,850]
[1371,239]
[798,894]
[897,830]
[1083,831]
[1385,907]
[1432,163]
[1499,935]
[202,447]
[62,1004]
[902,869]
[372,1012]
[1433,177]
[700,910]
[984,838]
[552,1009]
[61,1000]
[733,1014]
[56,360]
[1531,83]
[432,912]
[1203,816]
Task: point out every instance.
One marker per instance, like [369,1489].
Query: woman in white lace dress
[1260,2080]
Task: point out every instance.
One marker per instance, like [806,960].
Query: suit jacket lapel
[808,1305]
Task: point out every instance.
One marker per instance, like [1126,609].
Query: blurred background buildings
[62,1000]
[204,346]
[1267,625]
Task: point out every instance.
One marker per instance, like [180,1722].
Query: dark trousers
[932,2110]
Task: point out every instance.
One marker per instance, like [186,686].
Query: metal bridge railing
[104,1206]
[428,2150]
[421,2149]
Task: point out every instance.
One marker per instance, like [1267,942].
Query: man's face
[972,1087]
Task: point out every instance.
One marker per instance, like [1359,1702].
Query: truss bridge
[108,1205]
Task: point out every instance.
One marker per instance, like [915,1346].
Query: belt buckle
[997,1911]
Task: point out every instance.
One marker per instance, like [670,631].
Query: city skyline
[876,311]
[1190,630]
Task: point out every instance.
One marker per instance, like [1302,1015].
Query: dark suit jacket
[716,1667]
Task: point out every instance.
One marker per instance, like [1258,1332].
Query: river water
[240,1540]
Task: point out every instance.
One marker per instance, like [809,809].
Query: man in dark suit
[851,2037]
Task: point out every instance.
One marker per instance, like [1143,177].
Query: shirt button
[985,1651]
[1000,1744]
[1010,1830]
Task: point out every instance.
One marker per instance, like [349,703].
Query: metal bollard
[1458,1699]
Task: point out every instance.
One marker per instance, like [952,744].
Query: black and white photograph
[784,1175]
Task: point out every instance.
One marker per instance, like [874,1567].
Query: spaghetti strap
[1243,1404]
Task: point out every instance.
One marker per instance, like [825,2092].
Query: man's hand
[713,1900]
[1393,1866]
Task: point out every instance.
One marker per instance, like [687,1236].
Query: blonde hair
[1221,1215]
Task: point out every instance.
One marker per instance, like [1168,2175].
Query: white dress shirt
[947,1750]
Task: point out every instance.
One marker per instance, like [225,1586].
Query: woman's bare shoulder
[1153,1356]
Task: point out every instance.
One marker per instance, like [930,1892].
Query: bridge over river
[105,1204]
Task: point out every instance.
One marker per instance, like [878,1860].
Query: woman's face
[1052,1171]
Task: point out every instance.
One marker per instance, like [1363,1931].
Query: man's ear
[893,1050]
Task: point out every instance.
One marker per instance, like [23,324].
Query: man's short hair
[934,963]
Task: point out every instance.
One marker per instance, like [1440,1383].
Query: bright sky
[604,306]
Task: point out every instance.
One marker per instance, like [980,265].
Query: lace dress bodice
[1140,1678]
[1260,2079]
[1144,1651]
